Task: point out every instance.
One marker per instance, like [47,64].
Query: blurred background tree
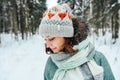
[102,15]
[21,16]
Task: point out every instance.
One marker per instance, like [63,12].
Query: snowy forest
[22,55]
[23,16]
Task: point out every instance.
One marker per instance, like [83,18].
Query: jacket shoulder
[101,60]
[98,57]
[50,69]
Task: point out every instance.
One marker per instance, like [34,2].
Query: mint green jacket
[99,58]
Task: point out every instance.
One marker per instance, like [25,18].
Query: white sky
[51,3]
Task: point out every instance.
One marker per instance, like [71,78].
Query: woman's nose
[48,44]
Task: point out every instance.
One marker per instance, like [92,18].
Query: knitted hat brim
[56,31]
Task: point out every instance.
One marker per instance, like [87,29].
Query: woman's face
[56,44]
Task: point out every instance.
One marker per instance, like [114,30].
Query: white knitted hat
[57,22]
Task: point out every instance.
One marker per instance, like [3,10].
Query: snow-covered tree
[21,16]
[100,14]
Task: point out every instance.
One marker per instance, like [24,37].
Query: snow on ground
[25,59]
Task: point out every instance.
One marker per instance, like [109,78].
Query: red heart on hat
[62,15]
[50,15]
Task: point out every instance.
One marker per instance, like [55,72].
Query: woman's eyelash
[51,39]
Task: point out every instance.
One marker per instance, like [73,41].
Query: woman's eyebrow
[48,38]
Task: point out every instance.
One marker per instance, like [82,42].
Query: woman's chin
[55,51]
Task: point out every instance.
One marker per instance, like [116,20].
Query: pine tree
[101,14]
[114,11]
[21,16]
[36,10]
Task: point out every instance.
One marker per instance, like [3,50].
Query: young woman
[72,56]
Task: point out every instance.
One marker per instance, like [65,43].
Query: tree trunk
[115,28]
[22,26]
[26,19]
[15,26]
[0,38]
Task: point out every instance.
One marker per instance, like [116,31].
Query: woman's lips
[53,49]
